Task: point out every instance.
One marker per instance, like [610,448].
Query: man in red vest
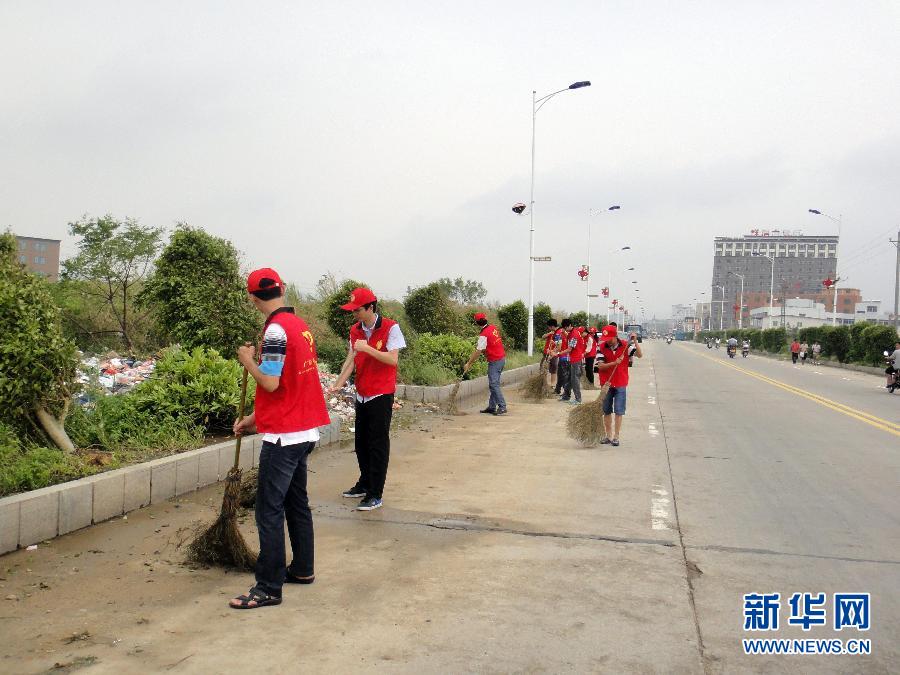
[576,346]
[375,344]
[490,344]
[614,369]
[289,409]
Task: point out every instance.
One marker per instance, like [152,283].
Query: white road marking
[651,400]
[653,430]
[659,508]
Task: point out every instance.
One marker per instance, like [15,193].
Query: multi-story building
[41,256]
[801,264]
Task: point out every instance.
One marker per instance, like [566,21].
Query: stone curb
[33,517]
[38,515]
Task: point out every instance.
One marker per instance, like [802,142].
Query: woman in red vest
[288,411]
[491,345]
[375,344]
[590,354]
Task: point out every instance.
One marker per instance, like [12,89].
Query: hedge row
[863,343]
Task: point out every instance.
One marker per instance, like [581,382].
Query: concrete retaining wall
[36,516]
[39,515]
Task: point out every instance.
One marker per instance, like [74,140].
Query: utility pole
[897,284]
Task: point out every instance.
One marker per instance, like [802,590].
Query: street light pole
[722,308]
[837,248]
[897,285]
[741,301]
[593,212]
[536,105]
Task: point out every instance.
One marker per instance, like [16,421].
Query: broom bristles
[249,483]
[452,408]
[535,388]
[585,422]
[222,543]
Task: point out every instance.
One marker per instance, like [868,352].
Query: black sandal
[257,596]
[292,579]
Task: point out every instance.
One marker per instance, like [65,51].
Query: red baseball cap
[592,330]
[263,279]
[479,316]
[358,298]
[609,332]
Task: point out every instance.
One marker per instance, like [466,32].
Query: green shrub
[542,313]
[417,370]
[117,424]
[199,293]
[197,385]
[857,351]
[339,320]
[774,339]
[580,319]
[28,467]
[331,351]
[514,320]
[429,310]
[876,340]
[449,352]
[836,342]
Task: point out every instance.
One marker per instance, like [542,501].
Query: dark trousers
[373,443]
[589,369]
[562,375]
[281,495]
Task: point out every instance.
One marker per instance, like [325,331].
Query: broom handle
[237,445]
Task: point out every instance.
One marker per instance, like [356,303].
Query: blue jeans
[281,495]
[496,401]
[614,401]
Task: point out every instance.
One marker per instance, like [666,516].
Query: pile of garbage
[341,403]
[113,373]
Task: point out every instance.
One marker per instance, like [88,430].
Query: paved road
[505,547]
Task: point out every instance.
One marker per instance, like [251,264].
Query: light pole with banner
[536,105]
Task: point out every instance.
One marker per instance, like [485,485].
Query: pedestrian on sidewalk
[804,352]
[795,351]
[491,345]
[562,377]
[590,354]
[550,351]
[375,344]
[615,361]
[816,352]
[576,366]
[288,411]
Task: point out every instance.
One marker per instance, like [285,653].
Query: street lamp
[609,277]
[741,301]
[536,105]
[593,212]
[836,248]
[771,285]
[722,309]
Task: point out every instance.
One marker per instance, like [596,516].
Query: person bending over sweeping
[490,343]
[289,409]
[615,365]
[375,344]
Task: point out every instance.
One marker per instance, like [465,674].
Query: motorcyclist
[718,342]
[745,346]
[893,361]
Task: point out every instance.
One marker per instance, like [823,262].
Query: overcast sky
[388,141]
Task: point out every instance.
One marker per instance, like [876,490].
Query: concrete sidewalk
[503,546]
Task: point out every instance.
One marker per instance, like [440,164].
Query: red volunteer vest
[494,350]
[548,343]
[298,404]
[620,377]
[592,352]
[374,378]
[577,353]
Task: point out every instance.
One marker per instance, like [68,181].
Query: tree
[199,293]
[430,310]
[579,319]
[514,319]
[38,365]
[542,313]
[118,254]
[465,291]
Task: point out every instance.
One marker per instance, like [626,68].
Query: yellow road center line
[872,420]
